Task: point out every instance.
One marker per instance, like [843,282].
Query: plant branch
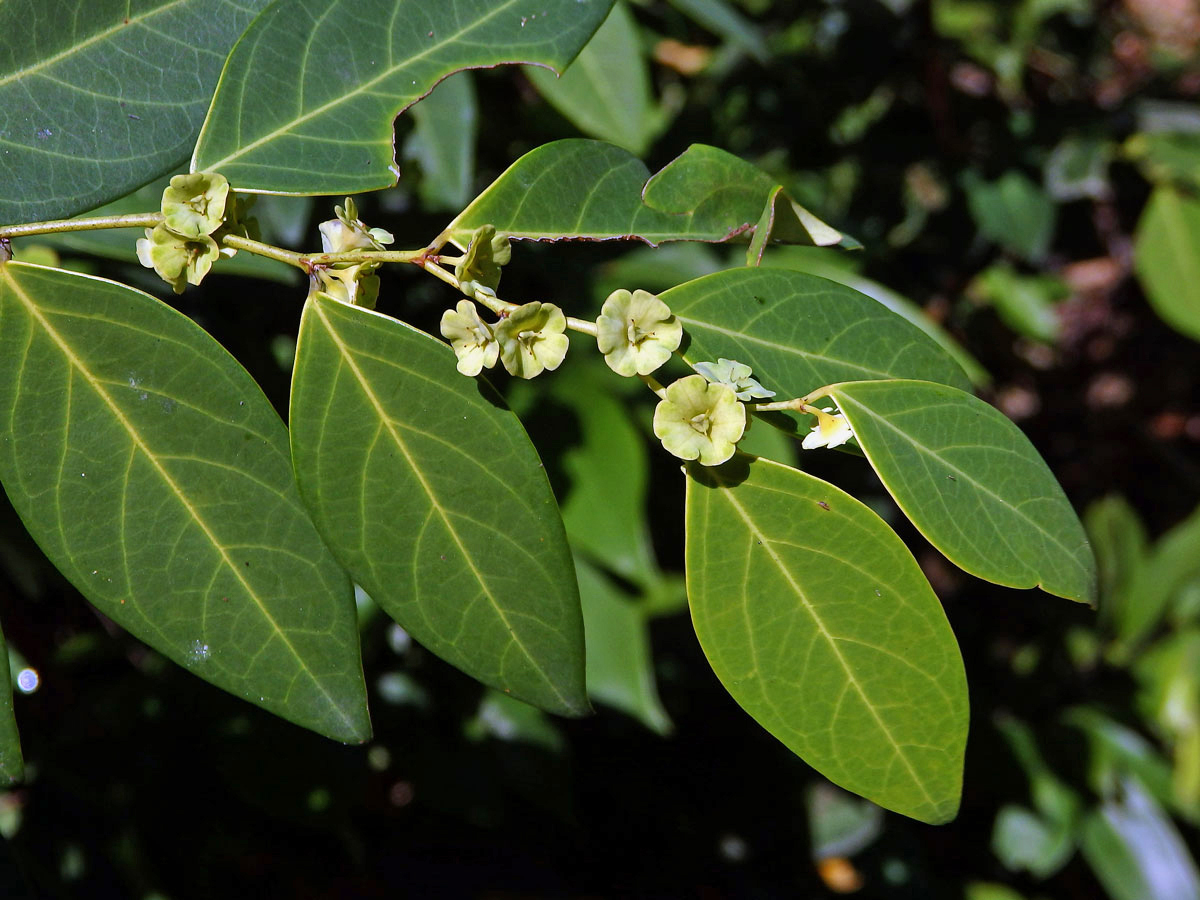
[93,223]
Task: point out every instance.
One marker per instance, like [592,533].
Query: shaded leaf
[1013,212]
[1167,258]
[1135,850]
[723,20]
[428,491]
[799,332]
[1166,156]
[1119,541]
[605,92]
[1026,303]
[620,666]
[12,764]
[152,471]
[816,619]
[840,824]
[305,105]
[604,510]
[972,484]
[103,95]
[1023,841]
[443,143]
[589,190]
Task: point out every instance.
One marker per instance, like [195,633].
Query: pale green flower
[531,339]
[736,375]
[177,259]
[830,430]
[473,340]
[354,284]
[194,204]
[485,254]
[698,420]
[636,332]
[348,232]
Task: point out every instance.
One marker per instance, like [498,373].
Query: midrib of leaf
[390,426]
[98,386]
[766,543]
[94,39]
[922,449]
[325,107]
[783,348]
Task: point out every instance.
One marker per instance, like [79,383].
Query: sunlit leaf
[103,95]
[799,332]
[589,190]
[428,491]
[12,764]
[605,92]
[443,143]
[152,471]
[1167,258]
[305,104]
[972,484]
[816,619]
[620,666]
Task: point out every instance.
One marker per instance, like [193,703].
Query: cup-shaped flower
[348,232]
[355,284]
[531,339]
[636,332]
[699,420]
[736,375]
[486,253]
[830,430]
[194,204]
[473,340]
[177,259]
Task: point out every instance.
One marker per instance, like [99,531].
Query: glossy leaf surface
[605,92]
[103,95]
[428,491]
[590,190]
[816,619]
[305,104]
[972,484]
[799,332]
[152,471]
[12,764]
[1167,258]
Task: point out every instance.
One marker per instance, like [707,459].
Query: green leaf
[723,20]
[1023,841]
[620,666]
[1135,850]
[1167,258]
[152,471]
[12,764]
[1012,211]
[1166,156]
[815,617]
[103,95]
[604,510]
[589,190]
[605,93]
[825,262]
[1120,544]
[972,484]
[1026,303]
[428,491]
[443,143]
[305,104]
[799,332]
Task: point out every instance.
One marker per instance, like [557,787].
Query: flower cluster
[350,282]
[196,212]
[528,340]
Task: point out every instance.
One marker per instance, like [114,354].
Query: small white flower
[830,431]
